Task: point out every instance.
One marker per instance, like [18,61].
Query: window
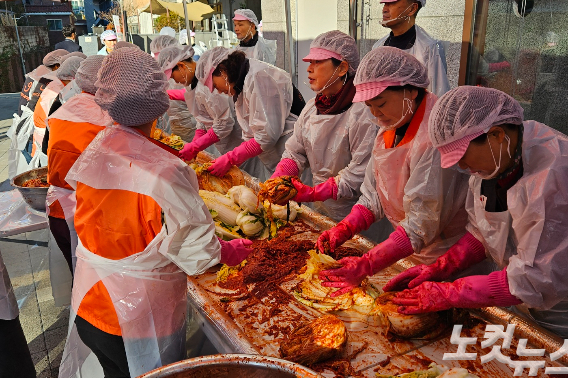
[54,25]
[520,47]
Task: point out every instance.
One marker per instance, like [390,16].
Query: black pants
[60,230]
[15,358]
[108,348]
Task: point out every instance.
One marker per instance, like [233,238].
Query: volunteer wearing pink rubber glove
[213,114]
[266,104]
[404,182]
[517,206]
[333,136]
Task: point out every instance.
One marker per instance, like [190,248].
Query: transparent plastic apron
[8,304]
[495,228]
[60,277]
[149,295]
[17,162]
[391,192]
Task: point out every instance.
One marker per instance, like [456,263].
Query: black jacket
[68,45]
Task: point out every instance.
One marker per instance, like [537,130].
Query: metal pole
[291,56]
[186,21]
[353,18]
[19,44]
[151,18]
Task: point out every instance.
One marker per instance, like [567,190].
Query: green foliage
[175,21]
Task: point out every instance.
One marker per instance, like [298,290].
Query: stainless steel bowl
[233,366]
[35,197]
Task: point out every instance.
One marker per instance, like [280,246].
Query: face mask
[406,102]
[246,35]
[484,176]
[407,17]
[228,85]
[328,84]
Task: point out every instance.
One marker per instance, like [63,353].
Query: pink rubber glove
[235,251]
[286,167]
[176,94]
[355,269]
[238,156]
[190,150]
[467,292]
[360,218]
[198,134]
[320,192]
[466,252]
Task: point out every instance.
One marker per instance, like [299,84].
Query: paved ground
[27,261]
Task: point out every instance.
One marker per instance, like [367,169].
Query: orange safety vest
[67,140]
[114,224]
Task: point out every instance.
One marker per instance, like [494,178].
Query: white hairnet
[161,42]
[391,65]
[248,14]
[131,87]
[168,31]
[339,43]
[54,57]
[170,56]
[69,68]
[108,35]
[468,110]
[86,75]
[209,61]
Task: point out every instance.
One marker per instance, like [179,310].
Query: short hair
[68,30]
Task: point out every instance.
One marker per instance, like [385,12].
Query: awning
[196,11]
[157,8]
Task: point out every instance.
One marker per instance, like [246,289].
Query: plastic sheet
[17,217]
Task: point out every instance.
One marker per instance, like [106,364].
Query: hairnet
[423,2]
[170,56]
[108,35]
[161,42]
[247,14]
[341,44]
[467,112]
[122,44]
[131,87]
[69,68]
[166,30]
[208,62]
[75,53]
[86,75]
[54,57]
[387,66]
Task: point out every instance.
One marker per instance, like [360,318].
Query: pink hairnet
[86,75]
[389,64]
[208,62]
[75,53]
[54,57]
[170,56]
[69,68]
[131,87]
[161,42]
[246,14]
[341,44]
[123,44]
[467,112]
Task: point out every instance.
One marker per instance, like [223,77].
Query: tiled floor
[27,261]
